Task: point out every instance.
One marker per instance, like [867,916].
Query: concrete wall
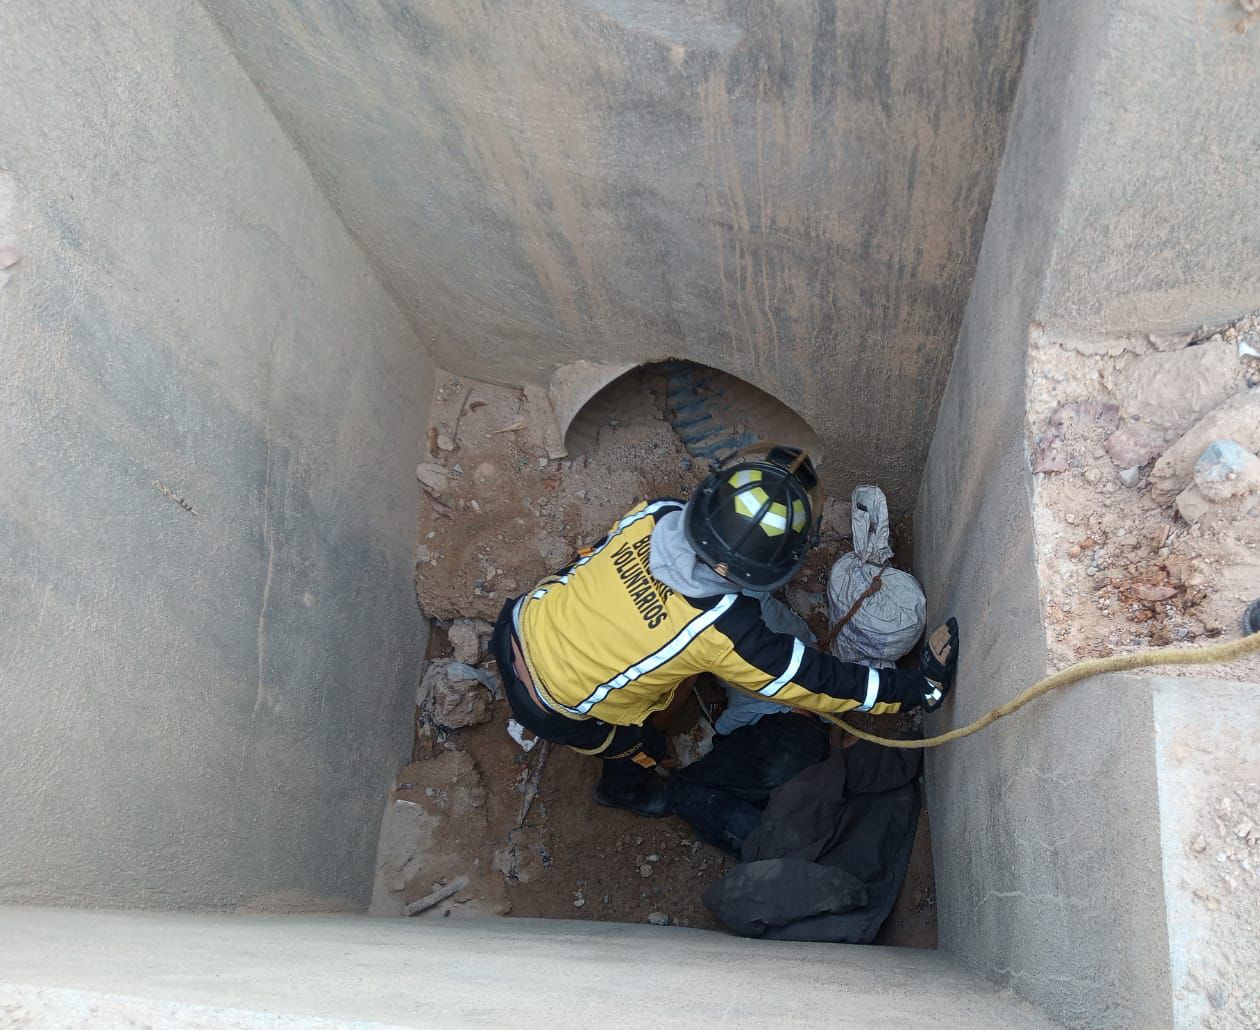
[1160,228]
[1122,155]
[791,192]
[520,972]
[195,709]
[1209,789]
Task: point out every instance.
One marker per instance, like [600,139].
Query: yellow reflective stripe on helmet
[745,477]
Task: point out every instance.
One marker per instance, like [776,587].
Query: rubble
[1142,539]
[432,477]
[469,638]
[456,698]
[1130,477]
[1238,419]
[1225,469]
[1173,389]
[1135,444]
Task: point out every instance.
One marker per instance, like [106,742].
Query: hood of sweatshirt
[676,565]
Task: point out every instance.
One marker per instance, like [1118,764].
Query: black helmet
[754,521]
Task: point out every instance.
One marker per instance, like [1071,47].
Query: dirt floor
[1131,553]
[519,831]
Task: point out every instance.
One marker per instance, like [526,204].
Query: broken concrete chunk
[458,703]
[1175,388]
[1225,469]
[432,476]
[1135,444]
[436,670]
[466,641]
[1238,419]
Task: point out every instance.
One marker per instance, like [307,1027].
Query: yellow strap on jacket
[605,639]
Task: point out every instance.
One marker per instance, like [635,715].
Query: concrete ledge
[1207,760]
[273,971]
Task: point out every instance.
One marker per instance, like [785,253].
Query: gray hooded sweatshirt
[675,564]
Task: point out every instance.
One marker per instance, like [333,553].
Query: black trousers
[617,746]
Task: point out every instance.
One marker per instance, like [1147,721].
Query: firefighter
[674,590]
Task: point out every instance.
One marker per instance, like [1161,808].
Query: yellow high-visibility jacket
[605,639]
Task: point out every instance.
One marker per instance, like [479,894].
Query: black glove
[939,662]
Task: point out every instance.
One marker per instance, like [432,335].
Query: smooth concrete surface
[1032,827]
[197,708]
[513,972]
[1046,828]
[792,192]
[1207,754]
[1160,228]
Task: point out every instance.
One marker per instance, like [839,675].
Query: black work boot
[649,799]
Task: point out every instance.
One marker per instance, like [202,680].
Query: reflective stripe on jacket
[604,638]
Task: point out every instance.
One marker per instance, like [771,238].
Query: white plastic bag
[888,622]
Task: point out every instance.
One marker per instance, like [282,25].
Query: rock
[465,640]
[1174,388]
[432,476]
[658,919]
[654,858]
[457,703]
[1093,476]
[1192,505]
[445,442]
[1135,444]
[645,870]
[1130,477]
[1199,845]
[1238,419]
[1226,470]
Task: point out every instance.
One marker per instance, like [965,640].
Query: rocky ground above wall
[1147,489]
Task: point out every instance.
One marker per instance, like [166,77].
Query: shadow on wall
[714,413]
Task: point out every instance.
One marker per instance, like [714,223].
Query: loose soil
[496,514]
[1121,570]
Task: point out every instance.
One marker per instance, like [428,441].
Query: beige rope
[1213,654]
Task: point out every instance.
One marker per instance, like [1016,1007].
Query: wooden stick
[531,786]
